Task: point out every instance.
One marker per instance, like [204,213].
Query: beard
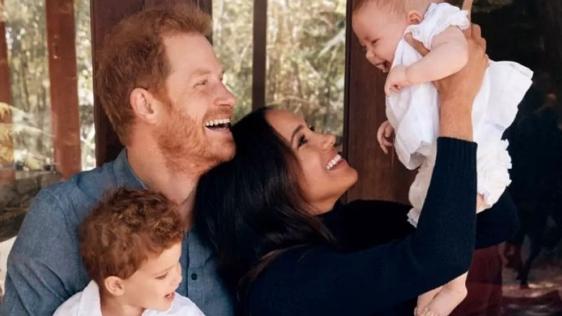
[185,146]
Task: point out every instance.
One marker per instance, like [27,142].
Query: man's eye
[302,141]
[162,277]
[312,128]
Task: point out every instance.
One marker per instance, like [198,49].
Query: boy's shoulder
[183,306]
[83,303]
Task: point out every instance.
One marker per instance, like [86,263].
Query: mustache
[218,113]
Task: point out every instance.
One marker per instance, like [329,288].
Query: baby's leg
[425,299]
[481,204]
[449,297]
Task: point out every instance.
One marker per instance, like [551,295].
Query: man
[160,84]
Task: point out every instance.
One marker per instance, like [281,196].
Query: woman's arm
[366,223]
[321,280]
[324,281]
[457,92]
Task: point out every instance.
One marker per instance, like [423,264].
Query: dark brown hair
[251,209]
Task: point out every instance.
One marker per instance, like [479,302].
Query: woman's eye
[302,141]
[162,277]
[201,83]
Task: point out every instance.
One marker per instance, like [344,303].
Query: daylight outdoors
[306,73]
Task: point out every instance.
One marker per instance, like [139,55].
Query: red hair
[134,57]
[126,229]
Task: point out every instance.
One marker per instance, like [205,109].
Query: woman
[288,249]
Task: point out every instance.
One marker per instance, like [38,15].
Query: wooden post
[260,54]
[105,15]
[380,176]
[7,173]
[64,86]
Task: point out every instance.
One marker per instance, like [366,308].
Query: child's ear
[114,285]
[414,17]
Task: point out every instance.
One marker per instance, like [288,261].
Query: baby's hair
[125,229]
[396,6]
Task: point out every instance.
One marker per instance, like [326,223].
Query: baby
[131,247]
[412,103]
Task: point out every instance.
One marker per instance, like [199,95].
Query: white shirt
[414,112]
[87,303]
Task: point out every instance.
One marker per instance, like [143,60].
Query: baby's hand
[384,136]
[396,80]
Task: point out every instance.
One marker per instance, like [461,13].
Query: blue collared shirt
[45,267]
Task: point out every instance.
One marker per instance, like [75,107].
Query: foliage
[27,57]
[28,62]
[305,56]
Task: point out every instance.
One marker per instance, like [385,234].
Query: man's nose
[226,97]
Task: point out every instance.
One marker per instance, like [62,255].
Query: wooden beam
[7,174]
[104,15]
[64,86]
[380,176]
[260,53]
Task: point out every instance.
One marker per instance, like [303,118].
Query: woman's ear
[144,105]
[114,285]
[414,17]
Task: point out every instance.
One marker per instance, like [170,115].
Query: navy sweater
[382,263]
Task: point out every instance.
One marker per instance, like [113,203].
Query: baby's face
[379,30]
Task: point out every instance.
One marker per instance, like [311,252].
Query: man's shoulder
[64,205]
[78,192]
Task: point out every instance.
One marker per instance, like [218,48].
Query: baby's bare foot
[445,301]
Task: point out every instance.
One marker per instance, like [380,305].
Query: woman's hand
[457,91]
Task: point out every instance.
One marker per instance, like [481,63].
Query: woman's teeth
[333,162]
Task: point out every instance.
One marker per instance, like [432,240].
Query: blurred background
[310,63]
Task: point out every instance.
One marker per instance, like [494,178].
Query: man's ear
[144,105]
[414,17]
[114,285]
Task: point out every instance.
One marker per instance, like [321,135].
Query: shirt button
[194,276]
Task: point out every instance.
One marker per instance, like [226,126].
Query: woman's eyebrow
[295,132]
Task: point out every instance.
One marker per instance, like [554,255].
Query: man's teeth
[220,122]
[333,162]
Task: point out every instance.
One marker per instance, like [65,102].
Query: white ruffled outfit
[414,113]
[88,303]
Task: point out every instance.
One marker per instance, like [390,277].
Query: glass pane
[28,127]
[85,84]
[306,59]
[27,50]
[232,39]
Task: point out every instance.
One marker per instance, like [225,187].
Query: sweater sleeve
[497,224]
[324,281]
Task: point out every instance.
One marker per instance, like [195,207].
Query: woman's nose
[328,141]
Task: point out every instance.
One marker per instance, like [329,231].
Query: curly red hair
[125,229]
[134,56]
